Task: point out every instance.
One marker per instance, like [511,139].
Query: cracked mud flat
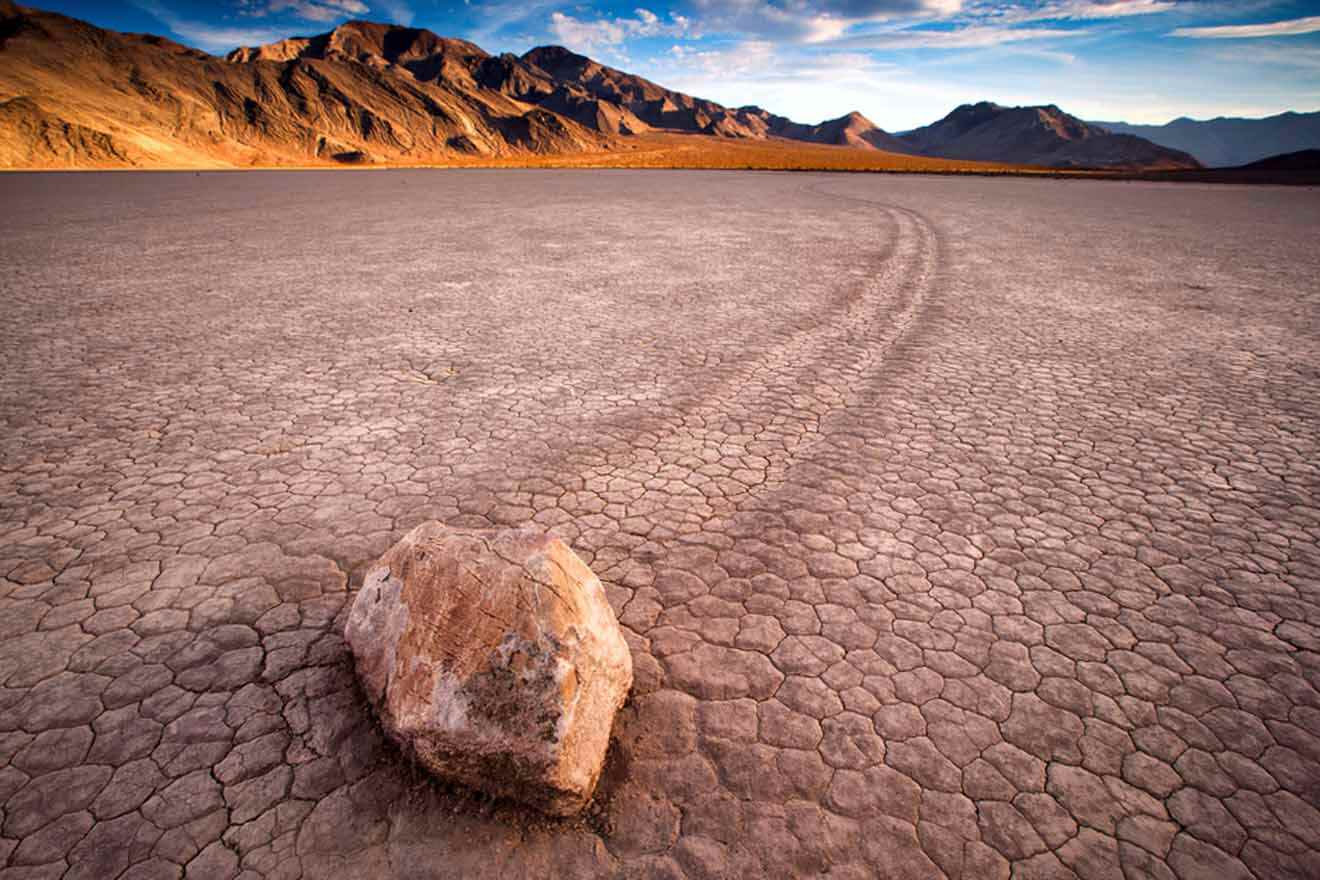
[958,528]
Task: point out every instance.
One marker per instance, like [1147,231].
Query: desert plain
[958,527]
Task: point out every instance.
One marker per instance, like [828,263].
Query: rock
[495,659]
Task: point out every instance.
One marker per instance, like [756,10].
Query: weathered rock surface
[495,659]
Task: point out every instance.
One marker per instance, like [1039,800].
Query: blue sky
[902,63]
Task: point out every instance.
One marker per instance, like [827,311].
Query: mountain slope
[362,92]
[654,105]
[80,96]
[853,130]
[1302,160]
[31,137]
[74,95]
[1228,142]
[1037,136]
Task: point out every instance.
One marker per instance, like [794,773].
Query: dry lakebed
[957,527]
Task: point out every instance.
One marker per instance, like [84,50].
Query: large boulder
[495,659]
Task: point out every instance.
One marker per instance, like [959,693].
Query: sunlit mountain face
[898,62]
[372,93]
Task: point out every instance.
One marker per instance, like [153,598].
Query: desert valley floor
[959,527]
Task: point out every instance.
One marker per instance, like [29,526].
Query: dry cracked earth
[959,527]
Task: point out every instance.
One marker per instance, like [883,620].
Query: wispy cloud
[1082,10]
[1291,27]
[993,23]
[203,35]
[808,84]
[1300,58]
[811,22]
[762,61]
[875,24]
[751,56]
[760,72]
[309,10]
[834,21]
[1119,9]
[219,37]
[399,12]
[972,37]
[588,35]
[496,19]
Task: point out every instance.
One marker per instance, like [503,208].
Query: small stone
[495,659]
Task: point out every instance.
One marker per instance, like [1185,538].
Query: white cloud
[1300,58]
[812,21]
[807,85]
[587,36]
[496,20]
[828,21]
[1003,45]
[206,36]
[222,39]
[1287,28]
[398,11]
[309,10]
[1072,10]
[745,58]
[971,37]
[904,24]
[1087,9]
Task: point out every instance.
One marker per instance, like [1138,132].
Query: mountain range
[1227,142]
[1043,136]
[75,95]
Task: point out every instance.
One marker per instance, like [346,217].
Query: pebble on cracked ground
[957,528]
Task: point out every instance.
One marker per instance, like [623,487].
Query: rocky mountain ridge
[74,95]
[1038,136]
[1226,141]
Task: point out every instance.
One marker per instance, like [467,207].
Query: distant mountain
[1037,136]
[1228,142]
[1302,160]
[853,130]
[74,95]
[627,104]
[631,98]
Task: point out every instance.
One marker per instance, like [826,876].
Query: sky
[901,63]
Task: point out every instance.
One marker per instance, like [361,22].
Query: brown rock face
[493,657]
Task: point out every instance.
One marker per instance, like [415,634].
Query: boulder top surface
[494,658]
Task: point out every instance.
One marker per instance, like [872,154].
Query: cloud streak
[212,38]
[588,35]
[398,11]
[812,22]
[493,19]
[309,10]
[973,37]
[824,21]
[1082,10]
[1291,27]
[1299,58]
[219,38]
